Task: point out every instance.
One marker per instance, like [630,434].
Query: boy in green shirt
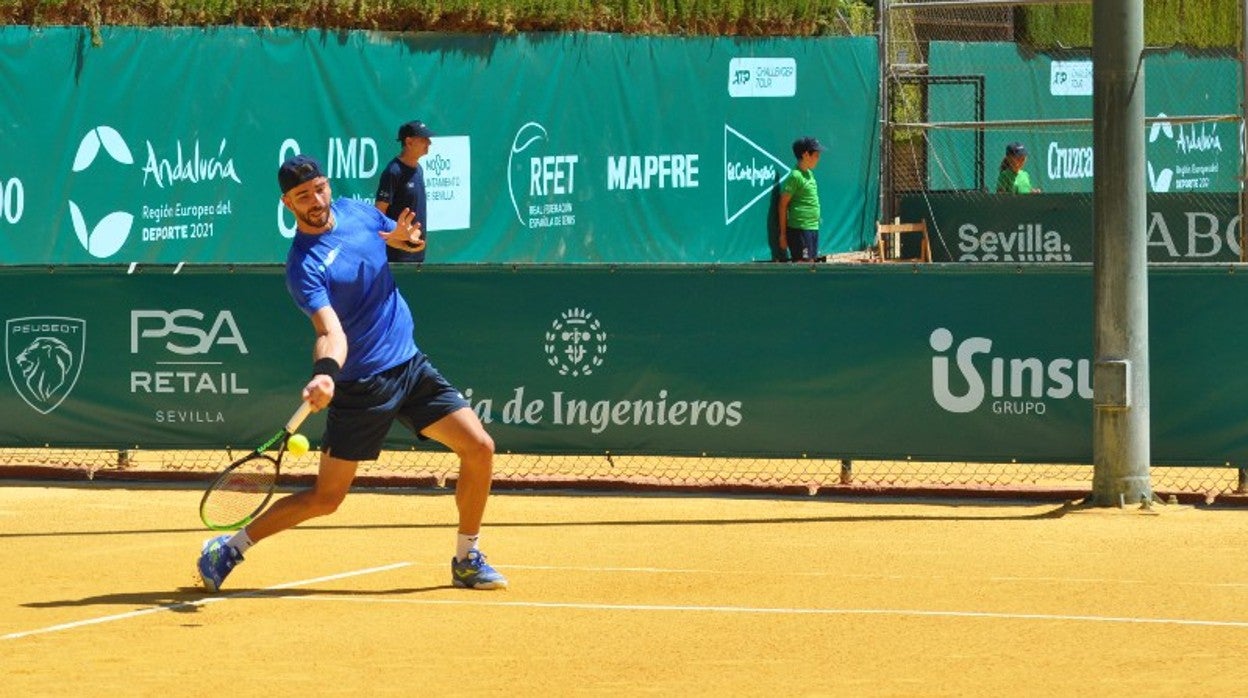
[799,203]
[1013,178]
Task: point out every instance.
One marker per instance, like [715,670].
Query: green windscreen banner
[1183,156]
[162,145]
[983,227]
[943,363]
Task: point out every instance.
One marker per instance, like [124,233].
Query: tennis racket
[244,488]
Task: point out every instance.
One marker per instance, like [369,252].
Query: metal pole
[1120,430]
[1243,170]
[883,17]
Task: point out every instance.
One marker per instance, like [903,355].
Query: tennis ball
[297,445]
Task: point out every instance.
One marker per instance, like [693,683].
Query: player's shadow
[192,599]
[1058,512]
[1007,514]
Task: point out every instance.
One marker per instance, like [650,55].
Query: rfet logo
[541,183]
[44,356]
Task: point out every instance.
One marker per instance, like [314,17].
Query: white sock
[465,544]
[240,541]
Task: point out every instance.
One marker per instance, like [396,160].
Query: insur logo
[750,173]
[575,343]
[106,237]
[44,358]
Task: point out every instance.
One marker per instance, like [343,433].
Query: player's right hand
[319,392]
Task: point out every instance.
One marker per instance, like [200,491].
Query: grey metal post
[1120,433]
[883,17]
[1243,112]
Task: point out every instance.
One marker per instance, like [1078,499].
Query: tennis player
[367,370]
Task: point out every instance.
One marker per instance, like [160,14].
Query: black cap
[807,144]
[414,129]
[296,171]
[1015,148]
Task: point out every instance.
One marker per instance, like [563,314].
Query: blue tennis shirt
[346,268]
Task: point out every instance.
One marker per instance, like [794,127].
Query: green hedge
[702,17]
[1196,24]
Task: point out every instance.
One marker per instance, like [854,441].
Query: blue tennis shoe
[216,561]
[473,572]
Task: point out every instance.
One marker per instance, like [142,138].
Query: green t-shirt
[1011,182]
[803,213]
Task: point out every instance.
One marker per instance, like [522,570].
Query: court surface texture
[625,595]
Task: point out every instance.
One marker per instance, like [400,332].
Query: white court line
[785,611]
[200,602]
[871,577]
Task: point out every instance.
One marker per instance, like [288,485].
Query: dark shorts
[362,411]
[803,244]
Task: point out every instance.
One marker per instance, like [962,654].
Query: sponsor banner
[97,357]
[977,227]
[565,148]
[762,77]
[1070,78]
[1182,157]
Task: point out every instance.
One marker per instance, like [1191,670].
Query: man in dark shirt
[402,185]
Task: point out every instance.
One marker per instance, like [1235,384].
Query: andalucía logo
[750,173]
[106,237]
[1194,163]
[44,357]
[184,186]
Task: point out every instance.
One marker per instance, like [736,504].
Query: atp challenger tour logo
[575,343]
[1016,386]
[44,356]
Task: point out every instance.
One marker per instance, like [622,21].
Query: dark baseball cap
[414,129]
[1015,148]
[296,171]
[807,144]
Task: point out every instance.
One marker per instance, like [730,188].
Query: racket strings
[239,493]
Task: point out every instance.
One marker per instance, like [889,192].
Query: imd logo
[103,239]
[44,357]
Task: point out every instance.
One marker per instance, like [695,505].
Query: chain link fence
[961,81]
[813,476]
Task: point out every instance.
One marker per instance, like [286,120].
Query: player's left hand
[407,234]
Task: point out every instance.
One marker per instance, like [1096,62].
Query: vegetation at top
[1196,24]
[678,17]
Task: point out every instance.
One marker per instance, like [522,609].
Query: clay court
[626,595]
